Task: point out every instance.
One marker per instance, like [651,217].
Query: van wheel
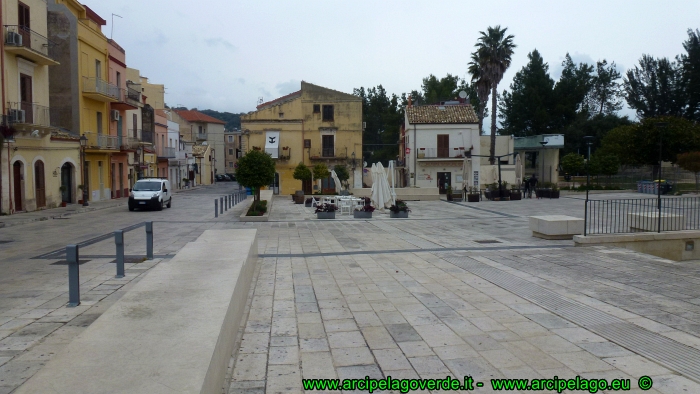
[160,205]
[131,208]
[170,202]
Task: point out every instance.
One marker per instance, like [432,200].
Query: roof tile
[196,116]
[446,114]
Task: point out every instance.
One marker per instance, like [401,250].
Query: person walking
[526,186]
[533,184]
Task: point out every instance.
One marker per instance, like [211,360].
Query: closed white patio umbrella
[336,180]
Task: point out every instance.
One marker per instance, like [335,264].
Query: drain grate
[665,351]
[487,241]
[65,262]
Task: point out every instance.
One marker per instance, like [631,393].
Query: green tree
[570,93]
[691,74]
[494,51]
[655,88]
[321,171]
[690,161]
[572,163]
[383,116]
[606,94]
[526,109]
[597,126]
[255,170]
[342,172]
[482,86]
[302,173]
[443,89]
[604,164]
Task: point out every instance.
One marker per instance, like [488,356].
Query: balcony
[29,114]
[129,143]
[440,154]
[29,44]
[147,137]
[100,90]
[202,137]
[124,103]
[101,141]
[167,152]
[327,154]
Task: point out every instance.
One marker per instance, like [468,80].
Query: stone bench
[649,221]
[555,226]
[173,332]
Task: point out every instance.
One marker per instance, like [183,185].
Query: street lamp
[589,141]
[543,143]
[660,125]
[83,144]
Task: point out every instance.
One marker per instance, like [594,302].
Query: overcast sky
[225,55]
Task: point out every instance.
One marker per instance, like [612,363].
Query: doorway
[275,185]
[121,181]
[17,185]
[67,183]
[40,184]
[444,181]
[26,100]
[112,175]
[306,186]
[101,180]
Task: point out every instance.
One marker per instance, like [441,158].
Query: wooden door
[443,145]
[17,177]
[39,183]
[66,182]
[328,144]
[25,87]
[24,25]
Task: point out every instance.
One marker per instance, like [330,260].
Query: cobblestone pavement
[461,289]
[35,324]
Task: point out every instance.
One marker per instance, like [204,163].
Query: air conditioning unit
[115,114]
[16,116]
[13,38]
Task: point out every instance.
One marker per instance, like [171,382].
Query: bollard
[73,257]
[119,241]
[149,240]
[225,203]
[230,200]
[221,205]
[216,208]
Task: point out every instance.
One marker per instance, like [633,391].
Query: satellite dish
[463,94]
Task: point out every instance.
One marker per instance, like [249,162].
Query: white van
[150,193]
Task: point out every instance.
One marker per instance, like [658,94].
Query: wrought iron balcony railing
[101,141]
[435,153]
[21,36]
[100,86]
[167,152]
[29,113]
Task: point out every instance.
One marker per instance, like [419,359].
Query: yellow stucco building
[39,163]
[313,125]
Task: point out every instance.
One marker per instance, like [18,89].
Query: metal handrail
[30,39]
[617,216]
[32,113]
[98,85]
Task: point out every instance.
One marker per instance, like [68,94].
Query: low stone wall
[405,193]
[174,331]
[672,245]
[264,195]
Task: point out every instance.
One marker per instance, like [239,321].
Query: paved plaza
[457,289]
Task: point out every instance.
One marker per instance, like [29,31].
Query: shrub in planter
[515,194]
[473,194]
[326,211]
[257,208]
[399,210]
[364,212]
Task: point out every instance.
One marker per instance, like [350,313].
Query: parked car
[222,178]
[232,176]
[151,193]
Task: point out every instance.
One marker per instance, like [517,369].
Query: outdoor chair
[315,202]
[345,206]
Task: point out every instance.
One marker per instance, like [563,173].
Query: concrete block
[649,221]
[555,226]
[175,330]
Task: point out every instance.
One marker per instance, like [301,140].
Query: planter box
[516,196]
[457,197]
[398,215]
[555,194]
[325,215]
[473,197]
[362,215]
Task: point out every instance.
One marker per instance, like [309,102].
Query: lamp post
[660,126]
[83,144]
[589,141]
[543,143]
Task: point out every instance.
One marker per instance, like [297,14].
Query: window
[307,143]
[24,16]
[98,69]
[99,123]
[119,79]
[230,151]
[327,113]
[230,164]
[328,145]
[443,145]
[317,108]
[230,138]
[281,115]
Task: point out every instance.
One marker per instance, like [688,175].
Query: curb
[45,218]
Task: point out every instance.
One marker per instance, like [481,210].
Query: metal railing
[97,85]
[133,94]
[328,153]
[641,214]
[101,141]
[434,153]
[16,35]
[201,136]
[29,113]
[147,136]
[167,152]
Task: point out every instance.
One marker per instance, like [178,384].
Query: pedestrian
[533,183]
[526,186]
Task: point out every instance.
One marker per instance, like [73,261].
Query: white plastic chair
[315,202]
[345,206]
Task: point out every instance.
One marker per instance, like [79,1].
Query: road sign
[408,151]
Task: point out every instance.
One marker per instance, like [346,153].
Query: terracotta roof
[199,150]
[196,116]
[279,100]
[64,135]
[445,114]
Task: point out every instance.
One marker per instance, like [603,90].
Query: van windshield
[147,187]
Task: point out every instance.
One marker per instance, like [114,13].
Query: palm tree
[483,88]
[494,51]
